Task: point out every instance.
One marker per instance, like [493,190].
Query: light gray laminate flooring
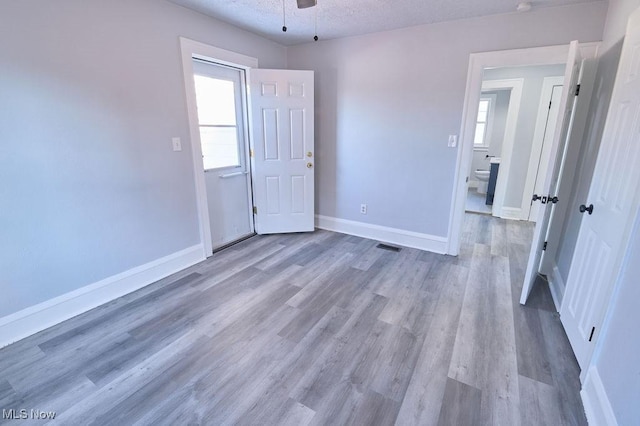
[319,328]
[476,202]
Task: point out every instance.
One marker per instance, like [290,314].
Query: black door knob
[584,208]
[553,199]
[536,197]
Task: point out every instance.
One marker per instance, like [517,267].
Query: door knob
[309,165]
[584,208]
[552,199]
[536,197]
[309,154]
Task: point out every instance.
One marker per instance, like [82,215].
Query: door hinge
[577,89]
[593,329]
[255,210]
[544,246]
[251,153]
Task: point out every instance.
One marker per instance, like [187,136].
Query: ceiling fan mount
[303,4]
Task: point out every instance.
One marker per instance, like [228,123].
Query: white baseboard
[39,317]
[382,233]
[511,213]
[595,401]
[556,286]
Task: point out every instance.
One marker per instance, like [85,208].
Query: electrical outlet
[177,144]
[363,208]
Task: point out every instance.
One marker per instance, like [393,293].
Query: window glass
[481,123]
[479,137]
[219,147]
[216,102]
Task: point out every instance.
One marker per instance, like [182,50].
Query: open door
[609,210]
[558,148]
[282,150]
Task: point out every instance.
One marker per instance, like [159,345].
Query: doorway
[511,160]
[479,63]
[262,176]
[221,106]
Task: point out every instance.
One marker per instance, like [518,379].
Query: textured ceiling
[342,18]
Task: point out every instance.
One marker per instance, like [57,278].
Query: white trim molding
[596,403]
[39,317]
[556,286]
[385,234]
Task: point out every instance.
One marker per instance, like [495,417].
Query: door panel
[283,159]
[221,108]
[604,235]
[558,149]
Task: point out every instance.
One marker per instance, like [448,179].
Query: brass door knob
[309,165]
[309,154]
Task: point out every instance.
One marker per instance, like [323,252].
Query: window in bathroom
[482,123]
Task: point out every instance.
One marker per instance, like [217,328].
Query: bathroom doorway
[515,110]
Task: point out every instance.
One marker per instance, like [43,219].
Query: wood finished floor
[316,328]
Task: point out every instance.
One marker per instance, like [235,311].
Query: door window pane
[216,101]
[219,147]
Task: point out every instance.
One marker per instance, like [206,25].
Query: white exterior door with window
[283,158]
[221,117]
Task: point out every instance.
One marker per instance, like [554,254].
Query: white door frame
[515,100]
[538,138]
[190,50]
[548,55]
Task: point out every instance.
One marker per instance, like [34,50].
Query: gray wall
[386,103]
[531,93]
[501,106]
[91,93]
[618,355]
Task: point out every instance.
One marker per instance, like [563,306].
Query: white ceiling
[342,18]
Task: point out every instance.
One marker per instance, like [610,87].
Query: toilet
[483,180]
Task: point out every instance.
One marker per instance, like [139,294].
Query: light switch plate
[453,141]
[177,144]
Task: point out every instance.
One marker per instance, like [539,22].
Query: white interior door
[283,159]
[562,130]
[614,198]
[545,152]
[220,95]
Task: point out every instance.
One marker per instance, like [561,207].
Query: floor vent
[387,247]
